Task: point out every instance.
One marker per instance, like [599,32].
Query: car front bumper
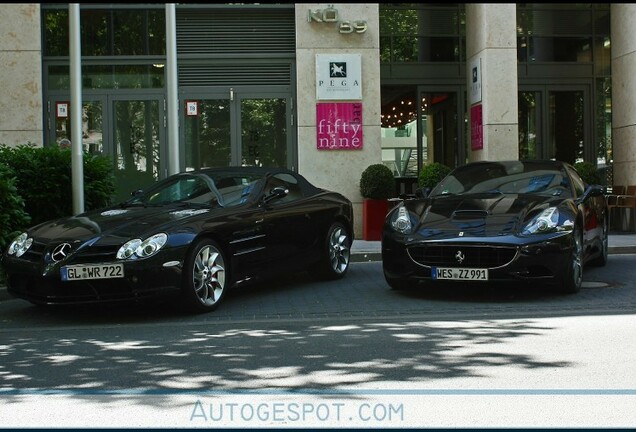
[143,279]
[507,258]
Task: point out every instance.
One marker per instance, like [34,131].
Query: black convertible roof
[307,188]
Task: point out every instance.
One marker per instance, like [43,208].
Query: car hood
[488,214]
[117,223]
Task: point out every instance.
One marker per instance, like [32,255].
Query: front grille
[96,254]
[90,255]
[474,256]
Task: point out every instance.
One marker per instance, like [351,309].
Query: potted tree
[377,185]
[589,173]
[430,175]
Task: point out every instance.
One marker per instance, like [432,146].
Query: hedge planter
[373,215]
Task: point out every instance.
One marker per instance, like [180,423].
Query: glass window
[107,32]
[416,33]
[555,33]
[560,49]
[109,77]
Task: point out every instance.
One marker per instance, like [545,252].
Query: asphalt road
[350,353]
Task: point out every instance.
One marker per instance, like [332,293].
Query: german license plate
[468,274]
[93,271]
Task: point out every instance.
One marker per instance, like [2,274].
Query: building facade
[328,89]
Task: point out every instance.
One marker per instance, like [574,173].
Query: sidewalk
[368,251]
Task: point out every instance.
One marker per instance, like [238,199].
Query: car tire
[336,253]
[206,276]
[571,282]
[601,260]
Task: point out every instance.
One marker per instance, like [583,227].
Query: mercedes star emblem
[61,252]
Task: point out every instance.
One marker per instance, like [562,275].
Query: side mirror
[137,192]
[591,191]
[277,193]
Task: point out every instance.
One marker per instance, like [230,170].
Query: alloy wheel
[208,275]
[339,249]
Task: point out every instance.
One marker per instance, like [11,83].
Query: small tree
[589,173]
[377,182]
[431,174]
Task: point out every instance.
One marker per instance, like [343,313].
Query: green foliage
[432,173]
[44,180]
[13,218]
[99,181]
[589,173]
[377,182]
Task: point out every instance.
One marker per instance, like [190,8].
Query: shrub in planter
[377,185]
[431,174]
[377,182]
[589,173]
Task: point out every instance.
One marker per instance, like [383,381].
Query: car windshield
[507,178]
[224,189]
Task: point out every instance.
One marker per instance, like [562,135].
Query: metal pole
[77,161]
[172,90]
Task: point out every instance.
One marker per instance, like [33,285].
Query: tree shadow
[294,335]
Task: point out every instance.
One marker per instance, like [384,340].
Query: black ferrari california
[532,221]
[195,234]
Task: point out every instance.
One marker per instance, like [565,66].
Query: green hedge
[13,218]
[44,180]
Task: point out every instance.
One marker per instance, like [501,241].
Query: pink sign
[476,128]
[339,126]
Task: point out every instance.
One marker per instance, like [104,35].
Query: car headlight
[20,245]
[142,249]
[402,220]
[549,220]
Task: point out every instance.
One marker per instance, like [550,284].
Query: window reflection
[422,33]
[107,32]
[399,130]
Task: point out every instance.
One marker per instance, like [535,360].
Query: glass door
[442,117]
[233,128]
[129,130]
[207,129]
[59,122]
[264,137]
[530,135]
[555,123]
[566,114]
[138,132]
